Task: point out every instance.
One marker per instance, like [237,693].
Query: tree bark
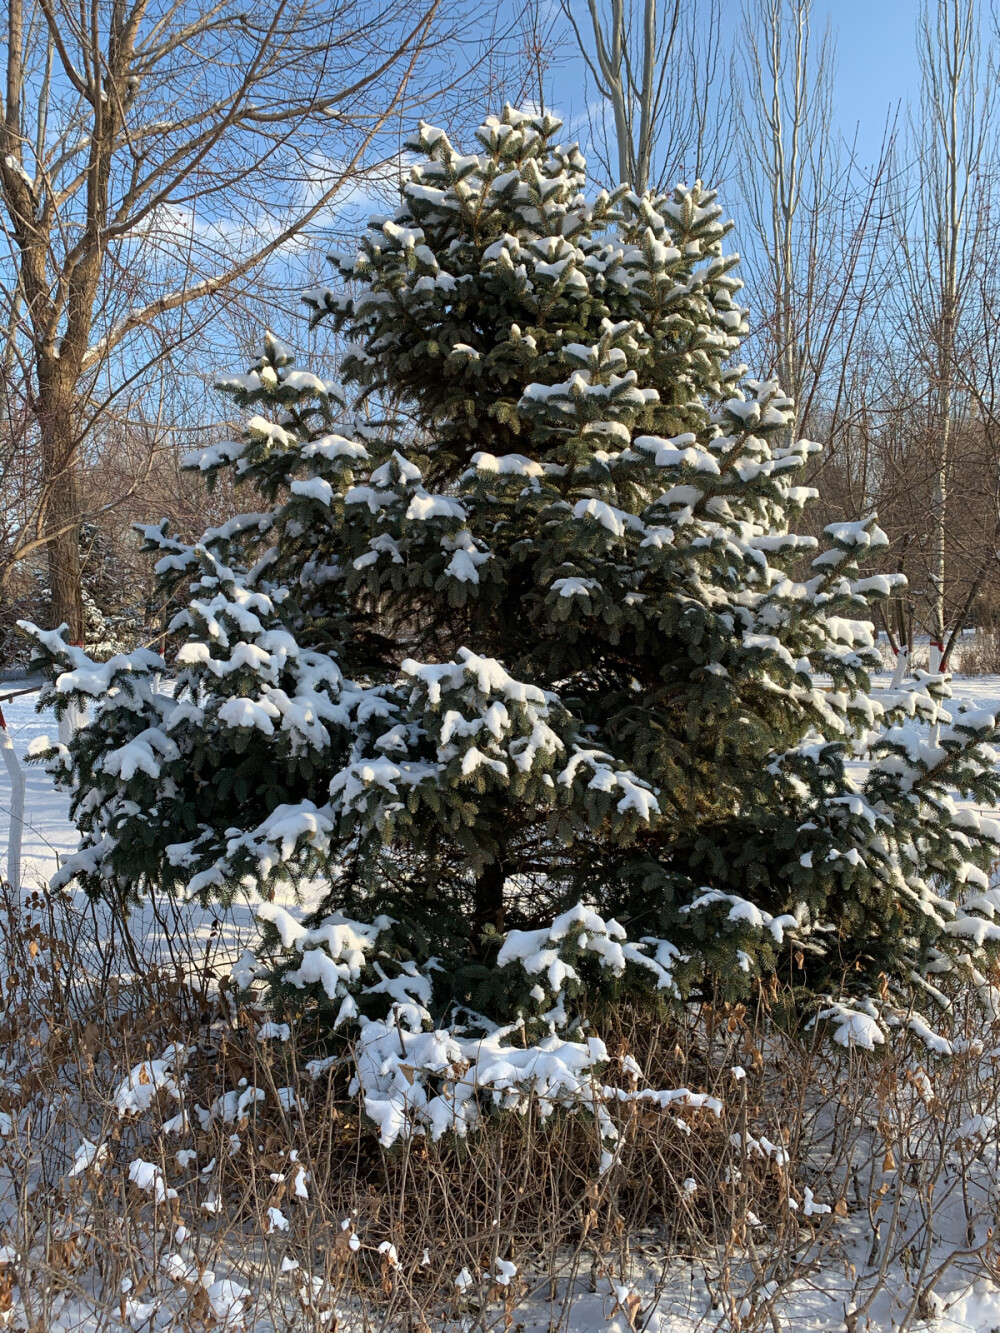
[64,558]
[57,427]
[488,909]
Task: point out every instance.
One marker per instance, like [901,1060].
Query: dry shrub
[980,655]
[278,1208]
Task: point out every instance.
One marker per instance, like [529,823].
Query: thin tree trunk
[957,118]
[57,428]
[488,908]
[939,508]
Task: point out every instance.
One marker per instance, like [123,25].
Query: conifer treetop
[496,261]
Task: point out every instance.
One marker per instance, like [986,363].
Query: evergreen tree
[529,626]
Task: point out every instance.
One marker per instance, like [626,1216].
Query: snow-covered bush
[210,1173]
[415,1076]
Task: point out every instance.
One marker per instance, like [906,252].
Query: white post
[902,665]
[16,806]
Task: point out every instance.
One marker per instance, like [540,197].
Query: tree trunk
[939,511]
[57,424]
[64,558]
[488,909]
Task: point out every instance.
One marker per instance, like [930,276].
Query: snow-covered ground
[48,833]
[216,936]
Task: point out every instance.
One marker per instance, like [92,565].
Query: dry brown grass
[888,1142]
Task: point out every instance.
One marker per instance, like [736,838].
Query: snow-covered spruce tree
[544,637]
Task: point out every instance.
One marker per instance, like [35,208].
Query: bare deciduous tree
[952,143]
[657,66]
[790,172]
[154,154]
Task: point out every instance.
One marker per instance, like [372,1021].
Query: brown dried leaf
[633,1307]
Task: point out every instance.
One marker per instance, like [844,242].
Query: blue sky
[876,63]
